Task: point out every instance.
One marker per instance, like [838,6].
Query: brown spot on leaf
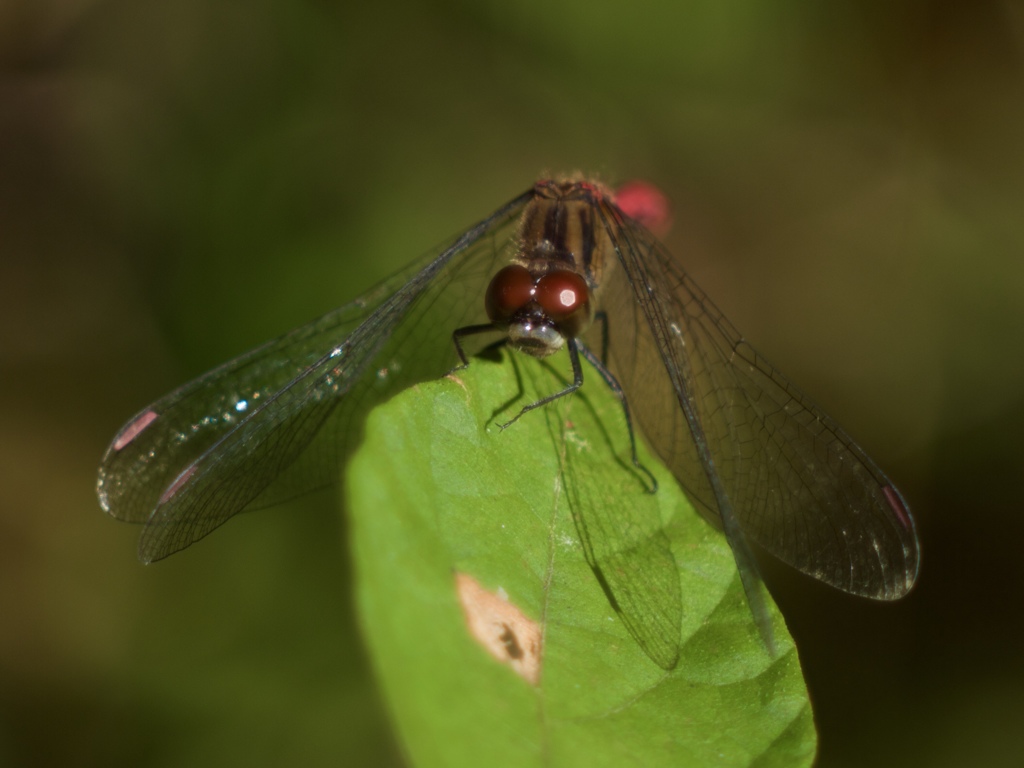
[452,377]
[507,633]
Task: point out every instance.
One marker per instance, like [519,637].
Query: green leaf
[646,648]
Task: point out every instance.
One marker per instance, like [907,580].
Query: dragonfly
[560,266]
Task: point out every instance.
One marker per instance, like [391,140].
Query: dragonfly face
[545,296]
[754,454]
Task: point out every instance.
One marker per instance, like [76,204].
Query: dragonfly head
[539,312]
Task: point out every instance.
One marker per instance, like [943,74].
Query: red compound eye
[561,294]
[510,290]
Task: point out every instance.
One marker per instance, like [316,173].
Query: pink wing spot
[174,487]
[132,431]
[647,204]
[898,505]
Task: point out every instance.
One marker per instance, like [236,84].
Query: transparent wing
[795,482]
[277,421]
[630,554]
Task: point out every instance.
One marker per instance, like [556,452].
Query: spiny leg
[616,388]
[577,382]
[470,330]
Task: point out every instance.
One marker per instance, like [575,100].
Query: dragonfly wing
[238,436]
[630,554]
[796,483]
[159,442]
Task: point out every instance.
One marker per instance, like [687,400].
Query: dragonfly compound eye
[510,290]
[563,295]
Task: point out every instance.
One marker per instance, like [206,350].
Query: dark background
[182,179]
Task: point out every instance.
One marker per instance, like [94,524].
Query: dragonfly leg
[616,388]
[602,317]
[470,330]
[577,381]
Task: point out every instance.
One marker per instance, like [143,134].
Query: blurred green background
[182,179]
